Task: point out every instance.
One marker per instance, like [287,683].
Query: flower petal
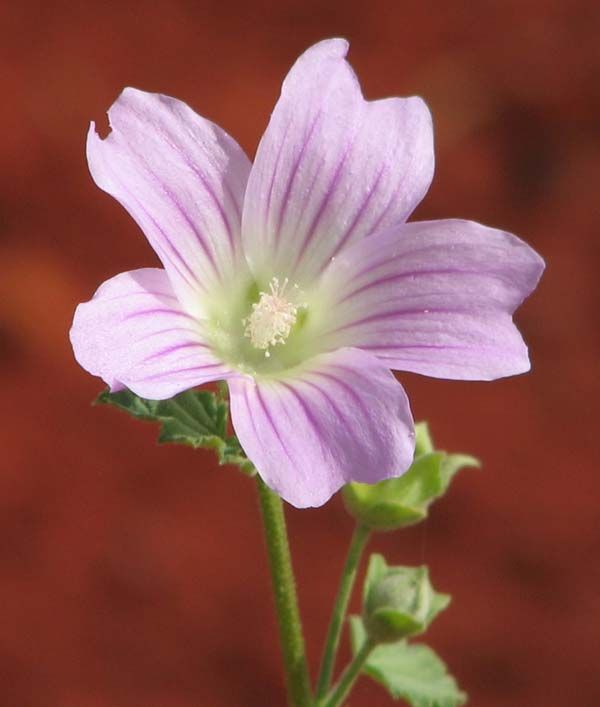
[343,417]
[436,298]
[182,179]
[134,334]
[332,167]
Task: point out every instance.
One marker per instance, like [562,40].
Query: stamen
[272,318]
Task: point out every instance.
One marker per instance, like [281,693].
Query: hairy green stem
[286,601]
[343,687]
[358,543]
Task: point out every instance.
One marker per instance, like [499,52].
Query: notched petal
[332,167]
[182,179]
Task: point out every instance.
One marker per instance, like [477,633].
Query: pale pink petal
[134,334]
[331,167]
[342,417]
[436,298]
[182,179]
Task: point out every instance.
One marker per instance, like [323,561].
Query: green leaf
[412,672]
[197,418]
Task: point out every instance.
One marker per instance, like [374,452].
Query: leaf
[197,418]
[408,671]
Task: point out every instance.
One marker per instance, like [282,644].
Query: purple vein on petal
[271,422]
[172,197]
[237,204]
[170,330]
[308,197]
[250,412]
[269,199]
[292,176]
[394,347]
[210,191]
[330,401]
[199,235]
[194,279]
[172,349]
[324,202]
[203,178]
[144,312]
[400,313]
[479,346]
[409,274]
[217,203]
[405,360]
[391,258]
[387,208]
[144,293]
[348,388]
[154,376]
[357,218]
[395,192]
[307,411]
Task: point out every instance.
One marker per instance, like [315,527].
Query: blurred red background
[134,576]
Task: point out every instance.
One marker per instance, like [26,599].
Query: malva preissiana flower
[297,278]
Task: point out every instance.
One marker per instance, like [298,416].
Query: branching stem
[358,543]
[349,676]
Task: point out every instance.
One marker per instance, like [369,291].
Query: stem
[286,602]
[358,543]
[341,690]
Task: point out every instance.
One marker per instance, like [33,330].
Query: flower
[297,279]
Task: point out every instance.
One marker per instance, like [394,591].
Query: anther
[272,318]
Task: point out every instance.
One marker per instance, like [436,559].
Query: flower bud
[404,500]
[399,601]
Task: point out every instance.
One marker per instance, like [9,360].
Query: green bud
[399,601]
[405,500]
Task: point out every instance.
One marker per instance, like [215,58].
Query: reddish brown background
[133,576]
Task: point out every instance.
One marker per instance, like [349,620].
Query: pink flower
[297,278]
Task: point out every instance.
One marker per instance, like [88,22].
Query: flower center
[272,317]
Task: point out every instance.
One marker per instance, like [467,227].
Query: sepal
[405,500]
